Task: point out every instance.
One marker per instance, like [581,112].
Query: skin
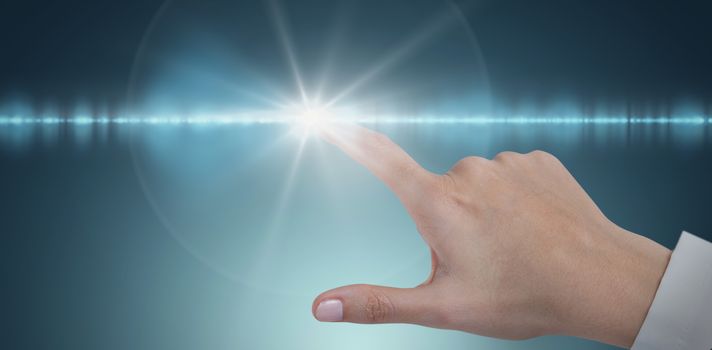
[519,250]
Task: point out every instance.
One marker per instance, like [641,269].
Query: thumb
[363,303]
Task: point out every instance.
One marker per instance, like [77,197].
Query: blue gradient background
[219,237]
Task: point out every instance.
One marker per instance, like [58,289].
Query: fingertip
[339,133]
[325,296]
[329,310]
[326,133]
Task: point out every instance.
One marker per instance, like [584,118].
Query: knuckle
[468,164]
[378,307]
[462,179]
[542,155]
[507,156]
[452,195]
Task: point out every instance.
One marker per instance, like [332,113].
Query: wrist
[645,266]
[616,289]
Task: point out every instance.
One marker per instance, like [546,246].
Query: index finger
[384,158]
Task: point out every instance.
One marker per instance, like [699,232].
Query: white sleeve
[681,314]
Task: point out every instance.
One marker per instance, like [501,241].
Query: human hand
[518,248]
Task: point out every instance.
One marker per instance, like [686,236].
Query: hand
[518,248]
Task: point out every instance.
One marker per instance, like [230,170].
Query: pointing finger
[385,159]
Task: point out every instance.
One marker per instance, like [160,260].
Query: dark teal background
[88,263]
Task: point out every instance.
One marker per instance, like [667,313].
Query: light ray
[402,51]
[272,233]
[280,23]
[333,45]
[222,82]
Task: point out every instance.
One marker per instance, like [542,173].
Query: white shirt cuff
[681,314]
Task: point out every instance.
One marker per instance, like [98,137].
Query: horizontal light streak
[240,120]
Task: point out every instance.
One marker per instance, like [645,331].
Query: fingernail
[330,311]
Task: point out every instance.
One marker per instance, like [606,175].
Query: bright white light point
[312,118]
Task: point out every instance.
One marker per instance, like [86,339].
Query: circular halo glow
[312,64]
